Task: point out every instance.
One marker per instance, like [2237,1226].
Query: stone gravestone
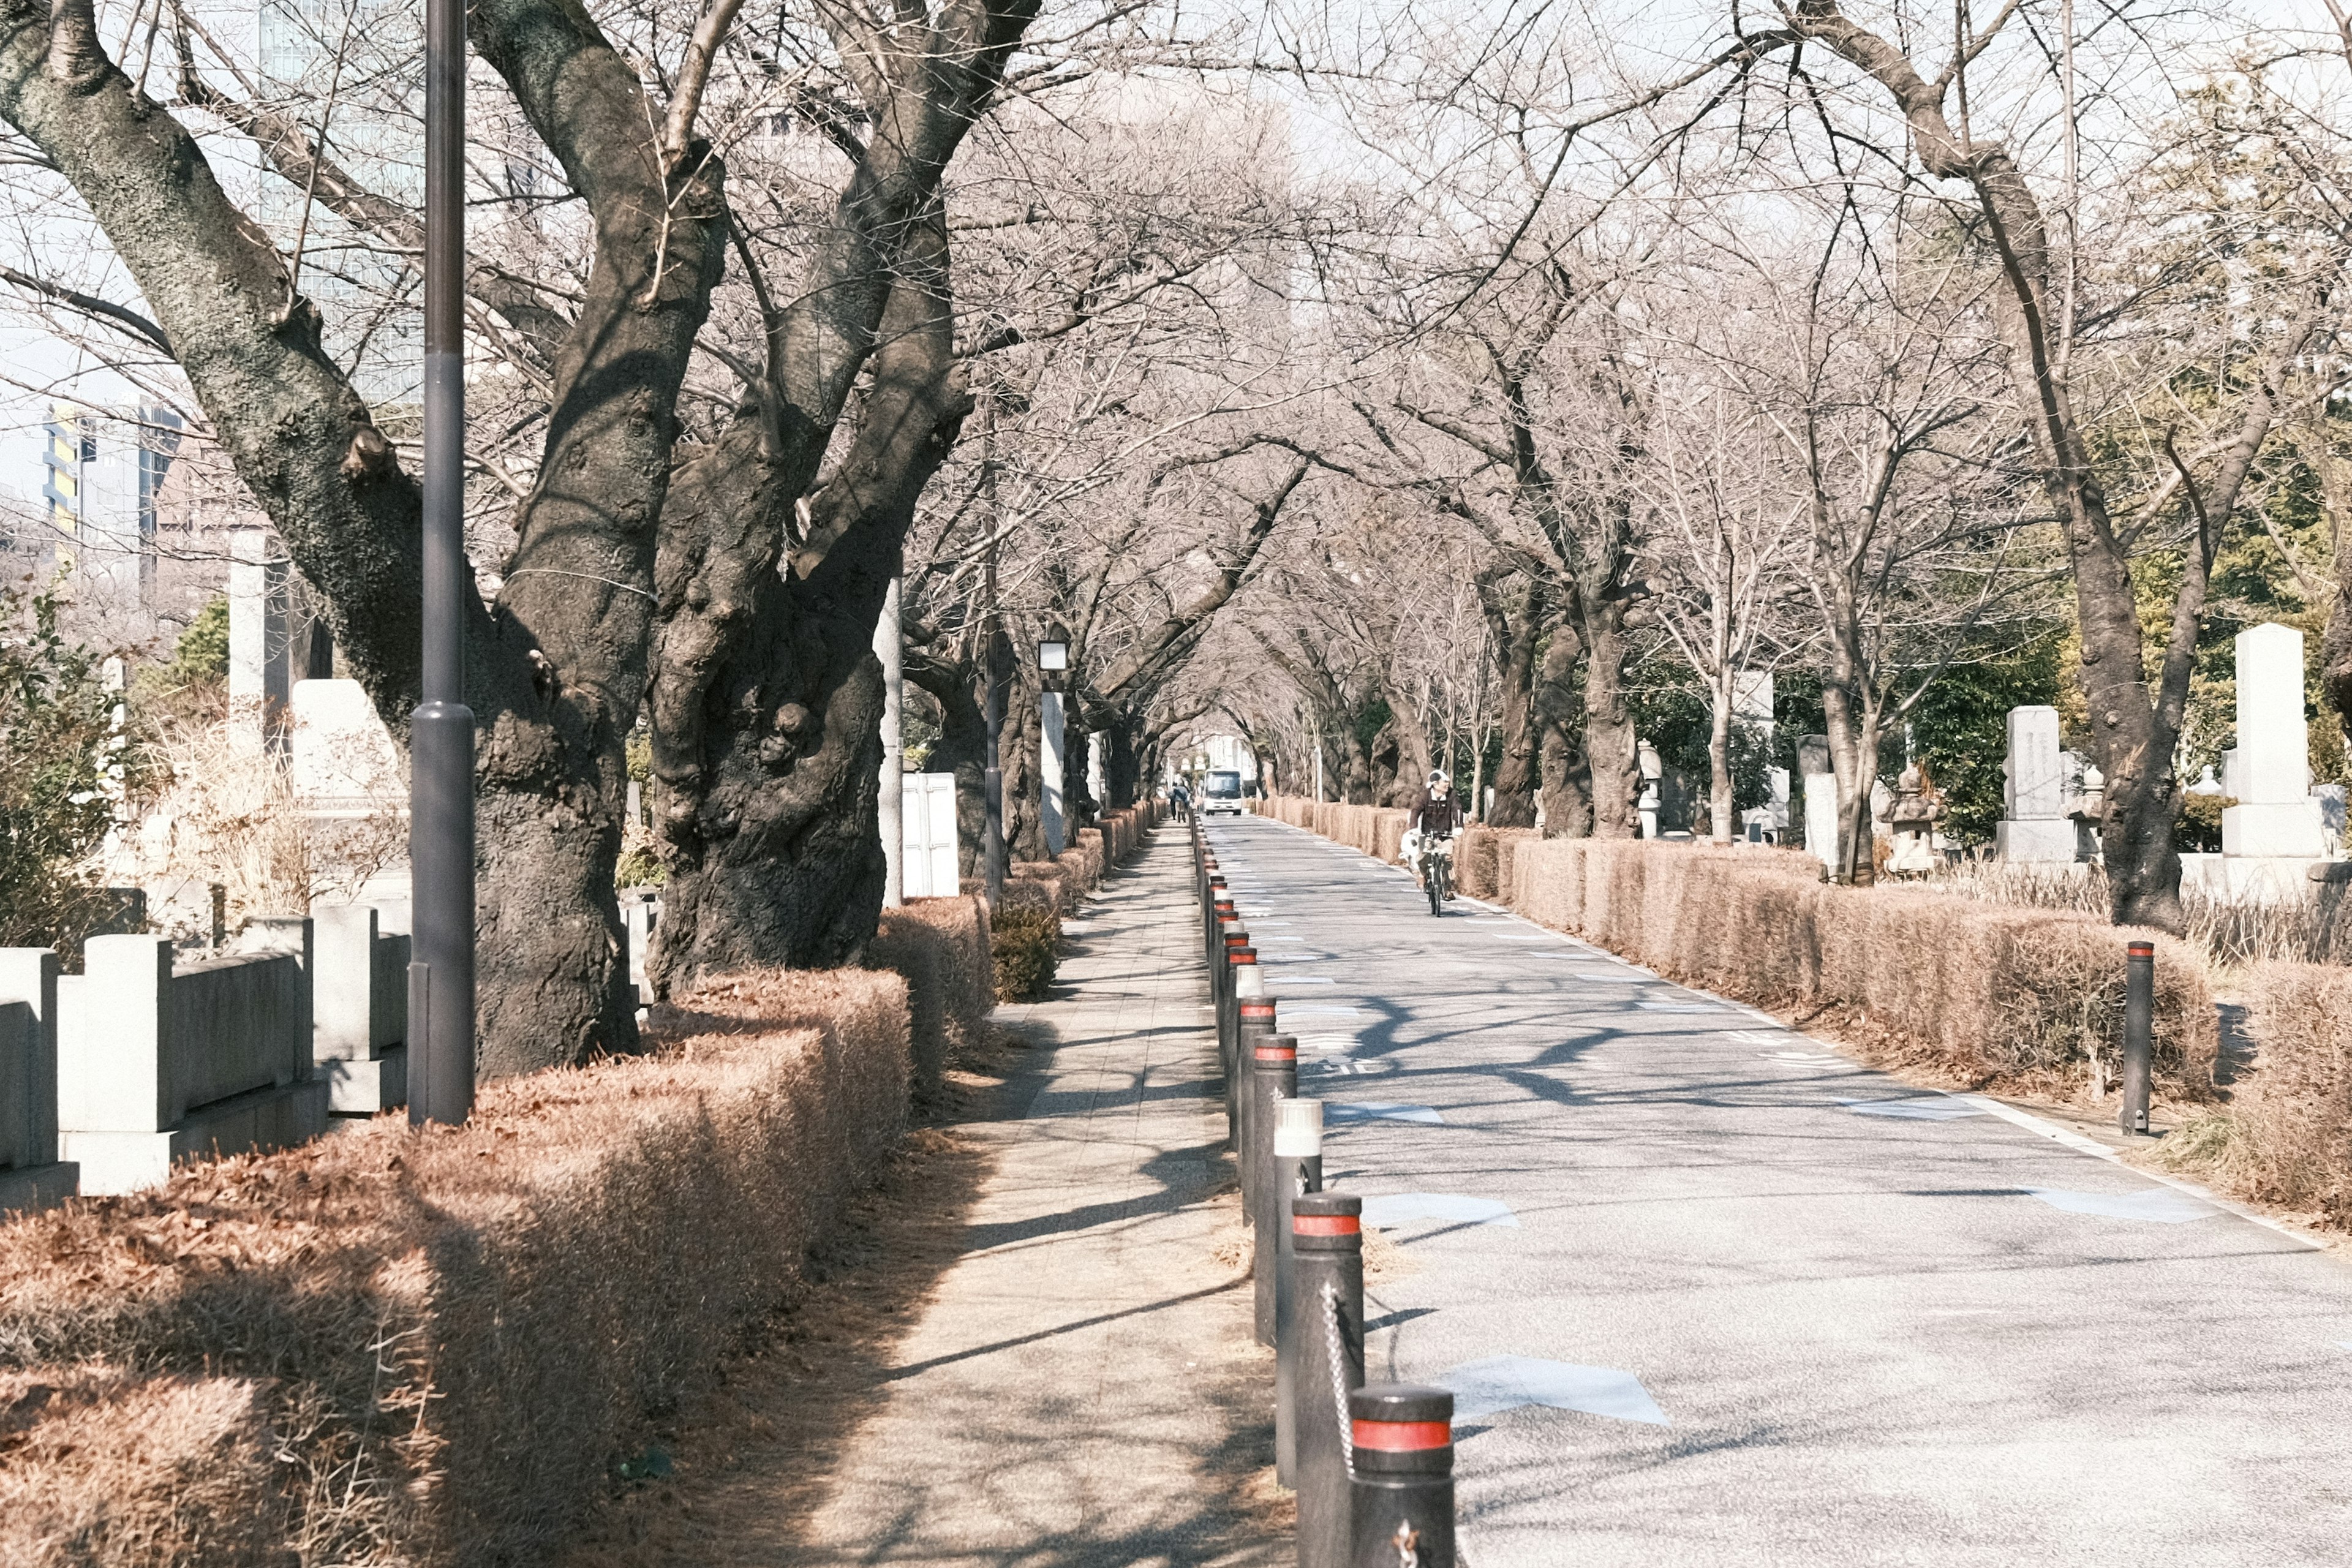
[1821,798]
[340,758]
[2276,816]
[2034,828]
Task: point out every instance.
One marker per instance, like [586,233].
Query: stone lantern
[1911,818]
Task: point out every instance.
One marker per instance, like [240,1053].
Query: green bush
[201,656]
[639,866]
[64,764]
[1025,944]
[2199,829]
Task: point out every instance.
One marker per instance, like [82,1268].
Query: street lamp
[441,730]
[1053,660]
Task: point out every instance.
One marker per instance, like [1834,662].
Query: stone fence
[109,1077]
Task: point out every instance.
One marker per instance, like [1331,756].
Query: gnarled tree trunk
[555,668]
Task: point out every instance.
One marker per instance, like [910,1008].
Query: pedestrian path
[1080,1392]
[1711,1294]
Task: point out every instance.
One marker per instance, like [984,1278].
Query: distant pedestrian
[1180,800]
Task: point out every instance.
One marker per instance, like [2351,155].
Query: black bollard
[2139,1030]
[1298,1170]
[1274,1079]
[1327,1358]
[1403,1490]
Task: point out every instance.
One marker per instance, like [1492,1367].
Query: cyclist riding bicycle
[1433,823]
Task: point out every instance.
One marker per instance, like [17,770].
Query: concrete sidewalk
[1081,1390]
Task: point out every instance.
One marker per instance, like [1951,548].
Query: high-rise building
[104,475]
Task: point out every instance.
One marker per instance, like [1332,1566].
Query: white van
[1222,791]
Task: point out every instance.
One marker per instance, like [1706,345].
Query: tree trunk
[1408,733]
[1566,774]
[1518,626]
[1123,766]
[1613,750]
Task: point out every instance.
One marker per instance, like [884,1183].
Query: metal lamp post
[441,730]
[1053,660]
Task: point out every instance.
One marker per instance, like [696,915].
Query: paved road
[1815,1332]
[1081,1390]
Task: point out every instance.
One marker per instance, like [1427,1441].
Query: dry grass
[459,1333]
[1483,863]
[1996,995]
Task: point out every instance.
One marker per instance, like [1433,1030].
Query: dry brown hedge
[2293,1112]
[458,1333]
[939,947]
[100,1466]
[1480,861]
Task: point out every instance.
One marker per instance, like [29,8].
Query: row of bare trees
[1422,402]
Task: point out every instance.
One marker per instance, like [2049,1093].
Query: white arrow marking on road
[1935,1108]
[1399,1208]
[1506,1382]
[1379,1111]
[2161,1205]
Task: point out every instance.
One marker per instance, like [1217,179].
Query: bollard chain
[1407,1540]
[1339,1377]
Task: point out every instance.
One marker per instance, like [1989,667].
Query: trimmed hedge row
[2293,1113]
[940,948]
[440,1343]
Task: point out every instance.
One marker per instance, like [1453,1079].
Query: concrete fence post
[31,1176]
[1403,1438]
[1327,1358]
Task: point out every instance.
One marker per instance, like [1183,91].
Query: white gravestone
[929,819]
[340,758]
[1821,798]
[2276,816]
[2034,828]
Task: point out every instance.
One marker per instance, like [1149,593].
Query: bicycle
[1437,872]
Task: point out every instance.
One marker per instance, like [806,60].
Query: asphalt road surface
[1710,1293]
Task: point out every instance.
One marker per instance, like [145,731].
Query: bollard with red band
[1403,1494]
[1325,1351]
[1274,1079]
[2140,1034]
[1252,1021]
[1298,1171]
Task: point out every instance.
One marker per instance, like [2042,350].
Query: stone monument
[1821,798]
[2276,816]
[2034,828]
